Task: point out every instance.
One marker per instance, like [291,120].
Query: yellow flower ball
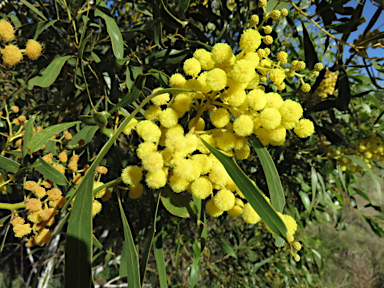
[212,210]
[204,161]
[256,99]
[263,135]
[274,100]
[11,55]
[168,118]
[204,58]
[136,191]
[181,103]
[7,32]
[153,162]
[236,210]
[224,200]
[161,99]
[220,117]
[131,175]
[186,169]
[276,137]
[242,71]
[21,230]
[254,20]
[243,125]
[227,141]
[234,97]
[130,126]
[201,188]
[43,237]
[33,49]
[152,113]
[249,214]
[250,40]
[304,128]
[156,180]
[178,184]
[243,153]
[270,118]
[144,148]
[207,138]
[192,67]
[289,222]
[221,52]
[277,76]
[291,111]
[101,193]
[216,79]
[148,131]
[218,174]
[200,125]
[177,81]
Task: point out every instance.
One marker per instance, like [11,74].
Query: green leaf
[49,75]
[160,259]
[364,165]
[114,33]
[273,179]
[178,204]
[251,192]
[148,241]
[344,97]
[305,200]
[309,50]
[131,259]
[9,165]
[41,26]
[227,249]
[84,136]
[4,237]
[78,247]
[362,194]
[28,134]
[34,9]
[2,220]
[100,120]
[50,173]
[41,138]
[97,243]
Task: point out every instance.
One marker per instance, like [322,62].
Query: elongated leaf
[34,9]
[41,138]
[9,165]
[84,136]
[28,134]
[148,241]
[5,218]
[253,194]
[4,237]
[78,247]
[309,50]
[305,200]
[114,33]
[97,243]
[131,260]
[364,165]
[178,204]
[273,180]
[49,75]
[41,26]
[344,97]
[227,249]
[50,173]
[160,259]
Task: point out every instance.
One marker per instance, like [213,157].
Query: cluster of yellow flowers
[327,85]
[11,53]
[368,149]
[228,105]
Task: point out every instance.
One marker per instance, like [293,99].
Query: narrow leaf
[253,194]
[9,165]
[114,32]
[84,136]
[131,260]
[273,179]
[344,97]
[78,247]
[50,173]
[49,75]
[309,50]
[28,134]
[160,259]
[41,138]
[34,9]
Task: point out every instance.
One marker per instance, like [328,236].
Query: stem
[12,206]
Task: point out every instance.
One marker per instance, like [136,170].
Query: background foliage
[102,60]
